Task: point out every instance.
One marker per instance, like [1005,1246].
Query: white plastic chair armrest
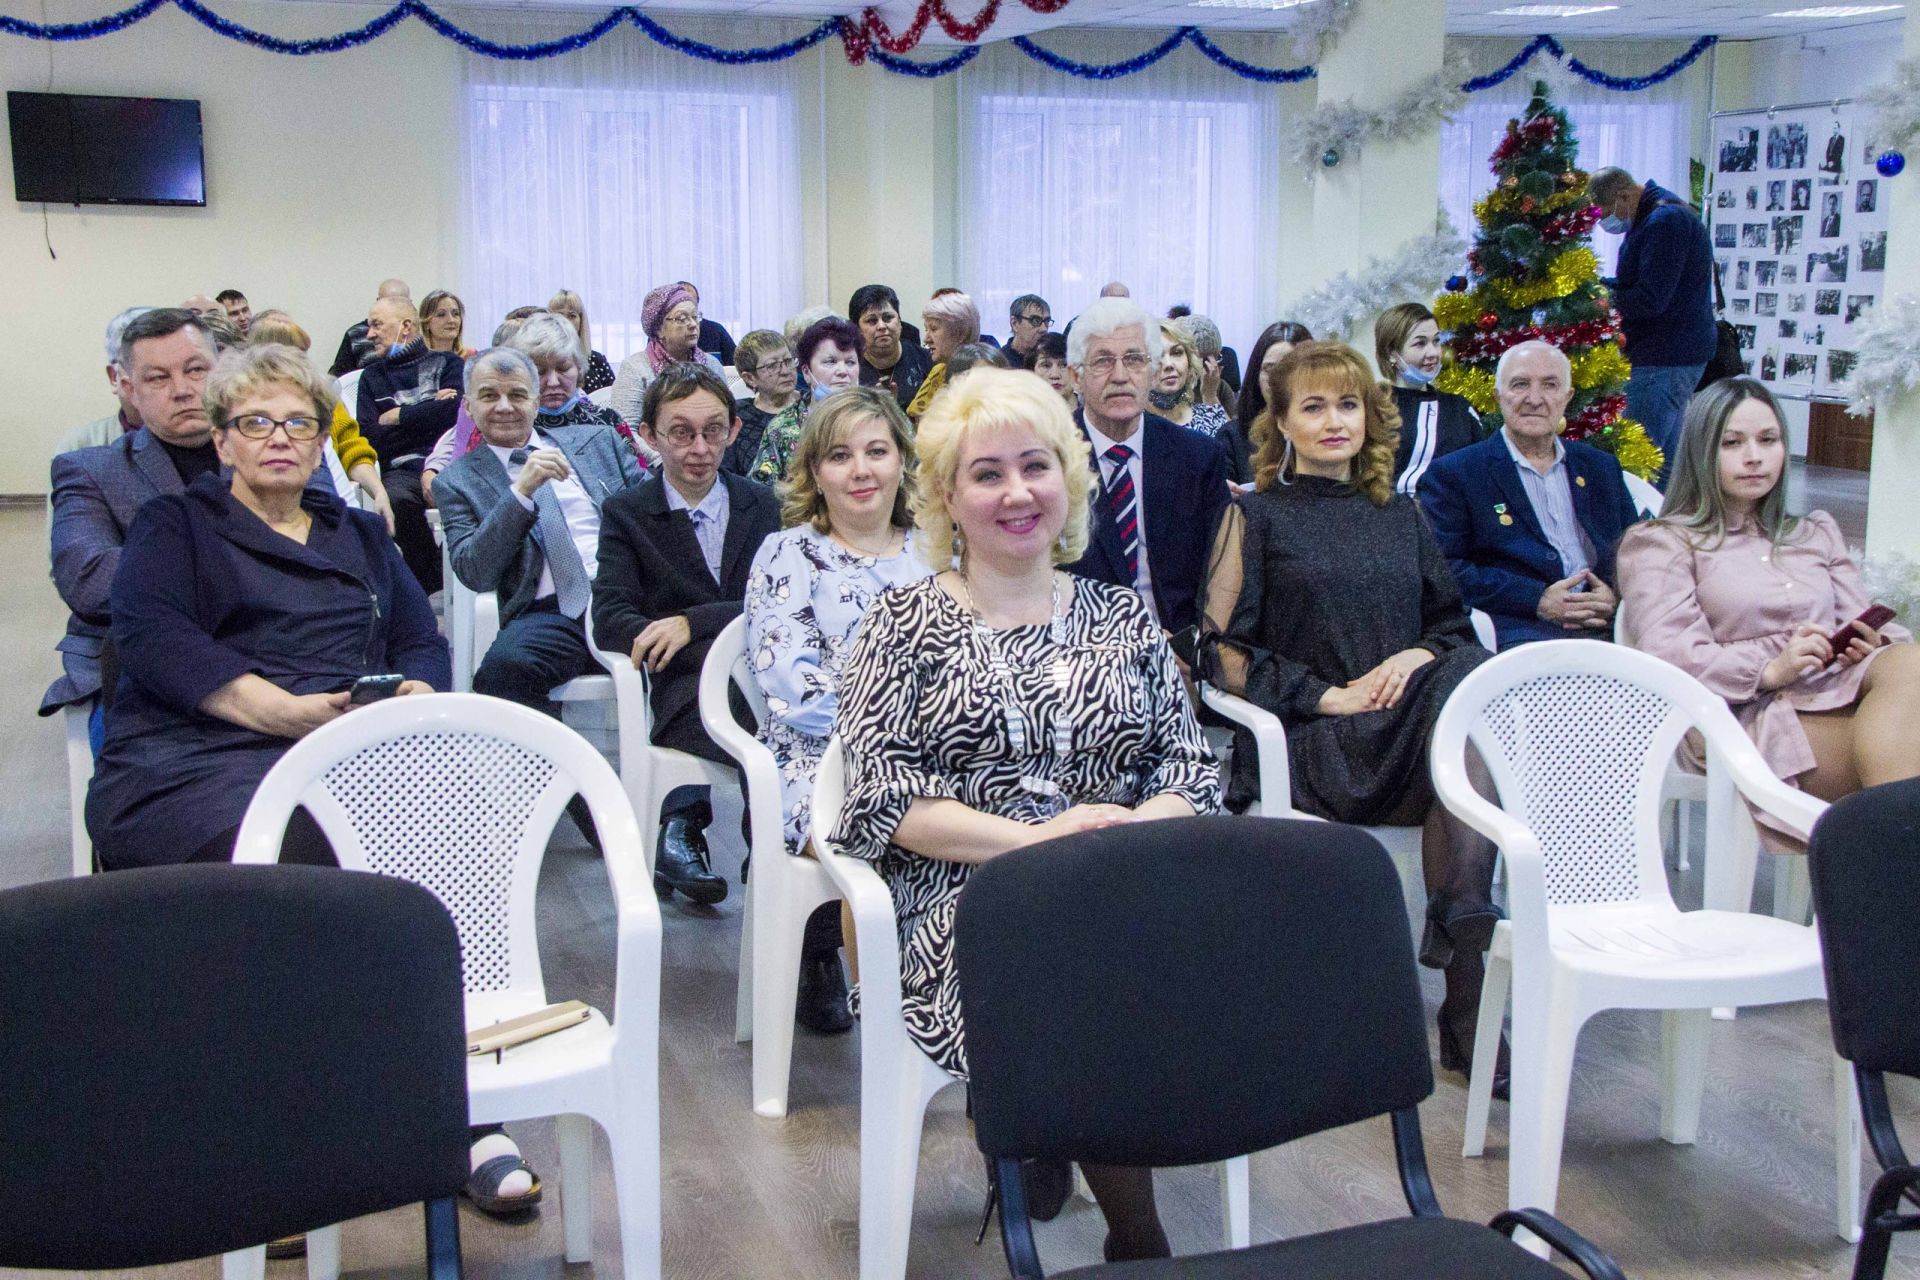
[874,926]
[1793,808]
[1269,737]
[1526,866]
[486,623]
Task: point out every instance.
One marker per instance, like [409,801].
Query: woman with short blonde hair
[1175,394]
[1005,702]
[595,372]
[949,321]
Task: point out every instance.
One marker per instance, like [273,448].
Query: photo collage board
[1799,221]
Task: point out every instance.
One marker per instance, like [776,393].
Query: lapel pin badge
[1500,509]
[1581,481]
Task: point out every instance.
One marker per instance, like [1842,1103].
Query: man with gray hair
[1529,522]
[124,422]
[355,347]
[1663,288]
[1163,488]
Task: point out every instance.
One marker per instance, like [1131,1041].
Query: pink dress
[1722,614]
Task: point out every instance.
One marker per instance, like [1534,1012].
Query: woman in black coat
[1433,423]
[243,611]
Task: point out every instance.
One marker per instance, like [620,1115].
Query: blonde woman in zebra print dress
[1004,702]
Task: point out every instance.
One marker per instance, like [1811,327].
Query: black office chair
[1864,859]
[1187,991]
[201,1059]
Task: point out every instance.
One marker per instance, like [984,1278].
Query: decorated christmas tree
[1534,275]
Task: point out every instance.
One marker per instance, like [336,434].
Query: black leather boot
[822,1003]
[681,863]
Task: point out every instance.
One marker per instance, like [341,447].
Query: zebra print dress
[922,714]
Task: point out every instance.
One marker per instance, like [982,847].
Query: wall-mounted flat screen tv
[73,148]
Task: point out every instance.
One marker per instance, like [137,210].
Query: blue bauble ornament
[1330,157]
[1456,284]
[1890,163]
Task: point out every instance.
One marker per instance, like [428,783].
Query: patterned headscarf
[653,313]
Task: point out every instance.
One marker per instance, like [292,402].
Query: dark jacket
[1184,483]
[715,341]
[409,382]
[354,348]
[206,593]
[651,567]
[1504,569]
[1664,284]
[906,375]
[1432,425]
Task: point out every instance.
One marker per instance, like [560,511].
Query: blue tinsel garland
[627,15]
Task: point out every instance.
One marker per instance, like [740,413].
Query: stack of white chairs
[460,794]
[1579,737]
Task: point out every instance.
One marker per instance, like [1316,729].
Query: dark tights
[303,845]
[1125,1194]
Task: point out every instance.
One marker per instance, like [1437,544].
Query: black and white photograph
[1828,266]
[1787,229]
[1789,273]
[1817,335]
[1740,305]
[1770,365]
[1796,304]
[1741,152]
[1725,198]
[1753,235]
[1873,251]
[1826,302]
[1765,273]
[1866,195]
[1858,304]
[1840,365]
[1800,364]
[1835,158]
[1830,215]
[1789,328]
[1742,275]
[1802,194]
[1777,196]
[1753,197]
[1726,235]
[1766,304]
[1787,145]
[1745,333]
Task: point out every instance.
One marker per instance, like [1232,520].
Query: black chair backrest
[1865,865]
[1187,990]
[205,1058]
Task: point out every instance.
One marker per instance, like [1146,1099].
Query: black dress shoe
[681,863]
[822,1006]
[1454,1058]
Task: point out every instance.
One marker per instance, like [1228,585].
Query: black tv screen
[85,149]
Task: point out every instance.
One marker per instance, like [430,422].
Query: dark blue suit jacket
[1504,569]
[1185,482]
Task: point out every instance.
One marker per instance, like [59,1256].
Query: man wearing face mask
[1663,289]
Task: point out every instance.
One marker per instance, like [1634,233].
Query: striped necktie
[1122,502]
[571,586]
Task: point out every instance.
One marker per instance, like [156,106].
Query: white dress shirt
[1101,443]
[709,520]
[583,518]
[1552,498]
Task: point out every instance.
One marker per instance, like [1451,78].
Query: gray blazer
[96,493]
[491,539]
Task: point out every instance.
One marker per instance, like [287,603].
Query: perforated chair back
[200,1059]
[458,792]
[1865,863]
[1578,735]
[1120,1011]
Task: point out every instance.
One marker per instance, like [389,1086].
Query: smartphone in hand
[1872,618]
[374,689]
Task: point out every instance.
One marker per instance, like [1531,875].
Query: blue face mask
[1414,376]
[1614,225]
[821,391]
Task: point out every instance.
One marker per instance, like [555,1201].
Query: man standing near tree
[1663,289]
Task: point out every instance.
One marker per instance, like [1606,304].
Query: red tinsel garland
[1472,348]
[869,29]
[1597,416]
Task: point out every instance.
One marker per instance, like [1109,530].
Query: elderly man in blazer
[1163,488]
[674,556]
[521,517]
[1528,521]
[163,362]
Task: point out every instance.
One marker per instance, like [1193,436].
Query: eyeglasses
[787,365]
[1103,364]
[681,437]
[258,426]
[1043,322]
[693,319]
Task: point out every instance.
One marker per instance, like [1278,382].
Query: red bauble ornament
[1488,322]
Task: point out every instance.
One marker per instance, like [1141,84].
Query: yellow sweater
[936,378]
[349,443]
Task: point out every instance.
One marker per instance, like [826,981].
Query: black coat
[409,382]
[651,567]
[1429,434]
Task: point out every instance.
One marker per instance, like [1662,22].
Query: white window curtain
[1647,132]
[625,165]
[1166,180]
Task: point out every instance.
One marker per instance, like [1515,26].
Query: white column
[1893,517]
[1372,203]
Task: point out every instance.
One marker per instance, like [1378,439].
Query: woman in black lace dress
[1331,606]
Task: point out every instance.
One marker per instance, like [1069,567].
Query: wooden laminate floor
[748,1197]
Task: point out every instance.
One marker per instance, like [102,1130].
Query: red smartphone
[1873,618]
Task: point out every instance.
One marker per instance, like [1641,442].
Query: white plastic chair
[1483,630]
[601,398]
[897,1078]
[460,793]
[1646,499]
[782,891]
[1578,737]
[73,718]
[1276,790]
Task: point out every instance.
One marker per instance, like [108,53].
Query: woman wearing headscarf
[670,317]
